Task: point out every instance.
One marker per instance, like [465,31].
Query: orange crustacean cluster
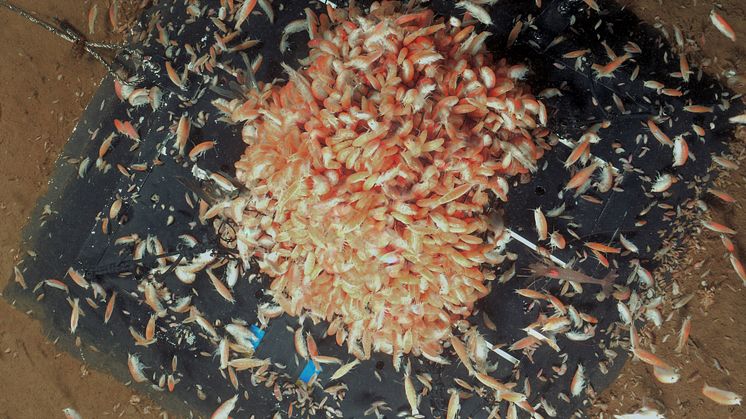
[368,173]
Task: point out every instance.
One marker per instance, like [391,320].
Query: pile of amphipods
[368,173]
[362,194]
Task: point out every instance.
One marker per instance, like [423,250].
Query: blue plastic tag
[309,371]
[258,335]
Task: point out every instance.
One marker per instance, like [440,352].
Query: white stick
[537,335]
[535,248]
[510,358]
[330,3]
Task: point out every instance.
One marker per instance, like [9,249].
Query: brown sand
[44,88]
[715,352]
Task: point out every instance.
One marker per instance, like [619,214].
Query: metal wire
[72,37]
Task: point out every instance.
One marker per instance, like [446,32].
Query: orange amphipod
[658,134]
[720,396]
[78,278]
[243,12]
[717,227]
[650,358]
[738,267]
[581,177]
[182,134]
[200,149]
[722,25]
[608,69]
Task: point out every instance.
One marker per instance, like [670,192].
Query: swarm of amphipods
[368,174]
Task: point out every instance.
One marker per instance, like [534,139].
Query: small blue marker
[258,335]
[309,371]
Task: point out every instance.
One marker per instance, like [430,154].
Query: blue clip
[258,335]
[311,369]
